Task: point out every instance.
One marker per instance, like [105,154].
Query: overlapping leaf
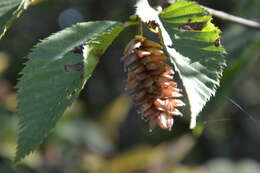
[54,76]
[193,44]
[10,10]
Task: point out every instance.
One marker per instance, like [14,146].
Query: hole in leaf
[153,26]
[217,42]
[74,67]
[78,49]
[192,26]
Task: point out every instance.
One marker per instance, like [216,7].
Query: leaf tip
[193,121]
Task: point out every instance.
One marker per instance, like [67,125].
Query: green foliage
[110,138]
[9,11]
[5,166]
[230,78]
[54,76]
[193,44]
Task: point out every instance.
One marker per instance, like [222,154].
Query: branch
[232,18]
[223,15]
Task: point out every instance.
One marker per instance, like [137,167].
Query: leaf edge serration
[19,152]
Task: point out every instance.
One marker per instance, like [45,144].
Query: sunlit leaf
[193,44]
[54,76]
[9,11]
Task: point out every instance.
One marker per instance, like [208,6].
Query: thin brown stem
[225,16]
[232,18]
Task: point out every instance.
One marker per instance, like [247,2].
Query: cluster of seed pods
[150,82]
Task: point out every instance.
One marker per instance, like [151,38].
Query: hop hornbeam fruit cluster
[150,82]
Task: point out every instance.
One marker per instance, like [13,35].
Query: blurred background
[102,132]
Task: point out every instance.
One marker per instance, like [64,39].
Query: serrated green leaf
[200,61]
[9,11]
[231,76]
[54,76]
[193,44]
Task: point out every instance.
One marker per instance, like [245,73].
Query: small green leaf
[54,76]
[193,44]
[9,11]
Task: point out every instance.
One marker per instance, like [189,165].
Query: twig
[232,18]
[225,16]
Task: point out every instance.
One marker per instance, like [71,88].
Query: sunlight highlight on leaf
[9,11]
[193,44]
[54,76]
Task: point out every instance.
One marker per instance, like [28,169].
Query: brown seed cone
[150,82]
